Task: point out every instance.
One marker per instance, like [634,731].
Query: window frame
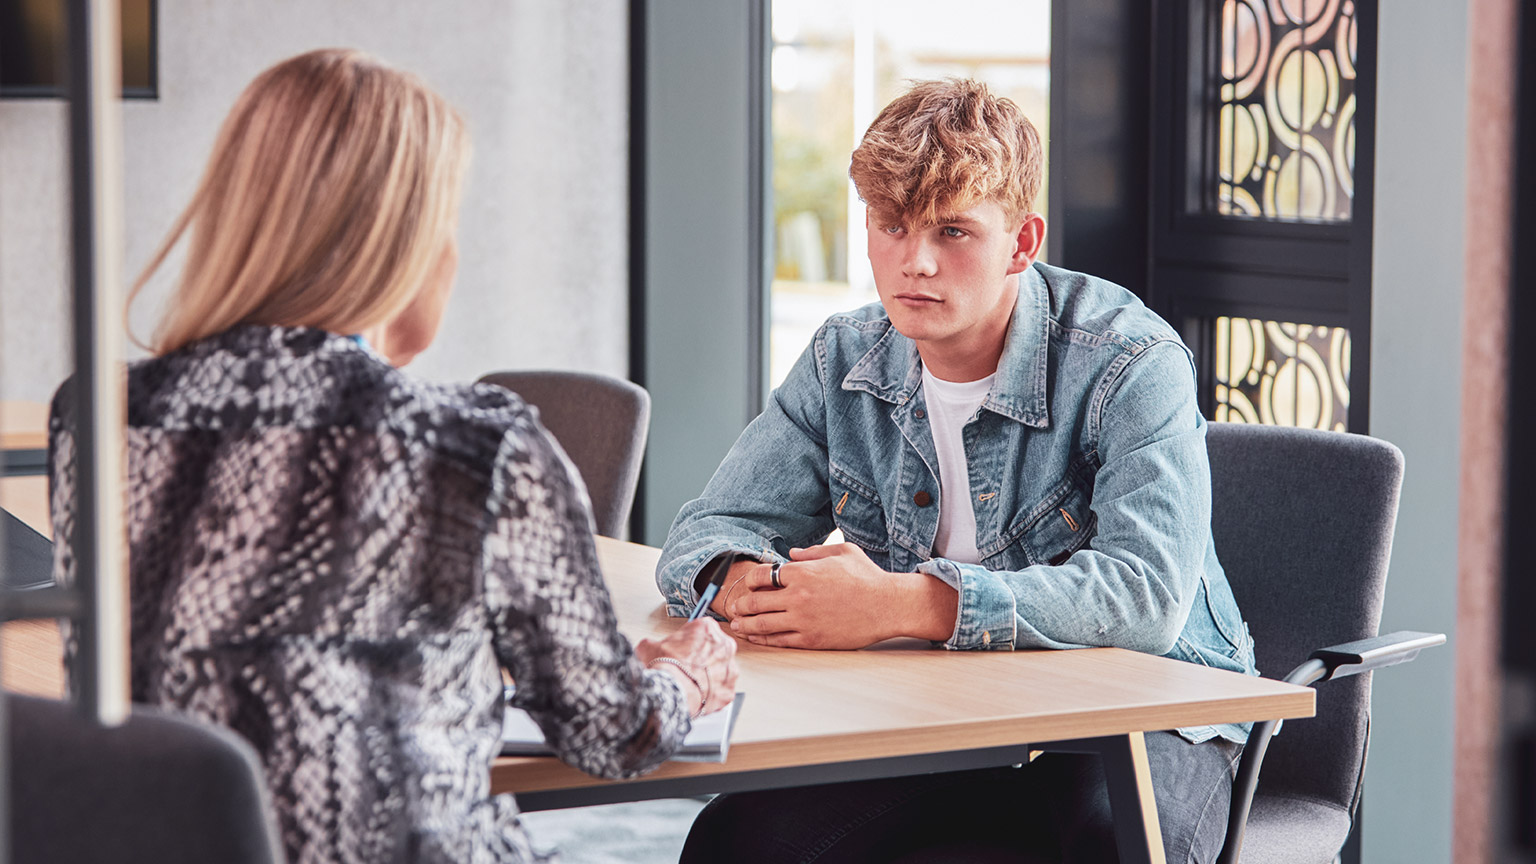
[1203,265]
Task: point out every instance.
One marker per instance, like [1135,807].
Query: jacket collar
[891,369]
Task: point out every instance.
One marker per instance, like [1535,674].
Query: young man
[1014,456]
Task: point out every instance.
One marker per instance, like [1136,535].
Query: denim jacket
[1087,464]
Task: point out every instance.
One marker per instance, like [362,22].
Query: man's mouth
[917,299]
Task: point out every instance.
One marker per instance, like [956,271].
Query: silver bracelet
[704,689]
[726,603]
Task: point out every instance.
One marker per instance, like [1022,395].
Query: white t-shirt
[951,405]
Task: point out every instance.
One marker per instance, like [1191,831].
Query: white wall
[543,278]
[1421,147]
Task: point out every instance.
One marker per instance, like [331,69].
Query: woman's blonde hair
[332,188]
[943,147]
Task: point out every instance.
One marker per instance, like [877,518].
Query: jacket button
[922,499]
[919,413]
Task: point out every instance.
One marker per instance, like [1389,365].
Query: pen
[707,596]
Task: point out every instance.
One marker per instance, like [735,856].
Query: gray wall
[1416,355]
[543,277]
[698,230]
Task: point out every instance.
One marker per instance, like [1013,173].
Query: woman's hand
[703,660]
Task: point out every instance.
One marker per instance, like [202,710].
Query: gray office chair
[158,788]
[26,561]
[1303,524]
[601,422]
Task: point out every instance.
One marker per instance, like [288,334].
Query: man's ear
[1028,243]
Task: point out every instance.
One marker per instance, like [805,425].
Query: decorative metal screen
[1286,126]
[1282,374]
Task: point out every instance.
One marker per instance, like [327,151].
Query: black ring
[774,574]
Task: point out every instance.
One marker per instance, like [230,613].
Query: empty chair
[601,423]
[1303,524]
[158,788]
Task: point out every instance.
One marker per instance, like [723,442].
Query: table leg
[1138,834]
[1137,831]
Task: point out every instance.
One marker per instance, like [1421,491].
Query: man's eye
[952,231]
[892,229]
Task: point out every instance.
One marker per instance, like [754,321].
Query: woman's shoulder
[459,421]
[256,378]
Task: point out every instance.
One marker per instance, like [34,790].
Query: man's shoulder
[844,338]
[869,319]
[1087,305]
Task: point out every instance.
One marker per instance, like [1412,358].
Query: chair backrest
[1303,525]
[158,788]
[601,422]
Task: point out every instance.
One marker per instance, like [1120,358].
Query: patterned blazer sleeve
[61,513]
[553,622]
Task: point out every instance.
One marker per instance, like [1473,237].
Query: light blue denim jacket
[1087,465]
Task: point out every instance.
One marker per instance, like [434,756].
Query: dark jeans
[1055,809]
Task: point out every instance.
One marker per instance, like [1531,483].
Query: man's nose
[917,257]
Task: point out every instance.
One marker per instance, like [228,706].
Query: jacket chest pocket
[856,510]
[1063,524]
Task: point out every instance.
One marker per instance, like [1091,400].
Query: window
[1261,205]
[34,43]
[1286,111]
[1281,374]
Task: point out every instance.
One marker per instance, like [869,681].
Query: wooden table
[904,708]
[23,437]
[26,497]
[895,709]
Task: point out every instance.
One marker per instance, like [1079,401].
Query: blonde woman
[336,560]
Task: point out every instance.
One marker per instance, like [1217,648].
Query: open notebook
[707,741]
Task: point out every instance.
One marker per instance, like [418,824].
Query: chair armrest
[1325,664]
[1352,658]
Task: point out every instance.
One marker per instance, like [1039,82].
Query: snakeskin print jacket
[336,561]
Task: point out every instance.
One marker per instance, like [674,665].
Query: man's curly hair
[944,147]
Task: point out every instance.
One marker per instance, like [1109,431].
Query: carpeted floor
[645,832]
